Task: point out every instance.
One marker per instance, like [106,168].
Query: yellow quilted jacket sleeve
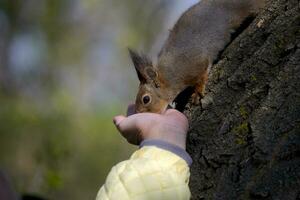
[151,173]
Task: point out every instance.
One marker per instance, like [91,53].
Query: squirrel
[194,43]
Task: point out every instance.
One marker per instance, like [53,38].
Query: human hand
[171,126]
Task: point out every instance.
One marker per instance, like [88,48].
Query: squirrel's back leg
[200,86]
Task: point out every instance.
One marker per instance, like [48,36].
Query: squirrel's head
[151,96]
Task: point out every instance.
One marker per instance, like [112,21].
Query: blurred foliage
[55,151]
[64,73]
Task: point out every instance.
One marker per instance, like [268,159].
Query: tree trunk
[245,138]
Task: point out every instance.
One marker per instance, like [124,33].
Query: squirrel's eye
[146,99]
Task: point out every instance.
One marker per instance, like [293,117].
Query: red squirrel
[195,41]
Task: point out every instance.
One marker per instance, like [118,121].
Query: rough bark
[245,139]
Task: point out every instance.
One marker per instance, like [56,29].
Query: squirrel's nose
[131,109]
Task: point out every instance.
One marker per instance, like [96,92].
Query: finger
[127,126]
[118,119]
[131,109]
[173,113]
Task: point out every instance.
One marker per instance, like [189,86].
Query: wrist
[174,140]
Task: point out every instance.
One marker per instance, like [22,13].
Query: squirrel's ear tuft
[141,62]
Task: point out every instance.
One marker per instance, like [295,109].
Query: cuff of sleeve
[169,147]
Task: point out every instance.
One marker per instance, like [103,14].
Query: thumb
[125,124]
[128,128]
[118,119]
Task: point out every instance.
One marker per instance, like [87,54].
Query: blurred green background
[64,73]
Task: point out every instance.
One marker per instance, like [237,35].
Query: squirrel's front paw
[199,92]
[196,98]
